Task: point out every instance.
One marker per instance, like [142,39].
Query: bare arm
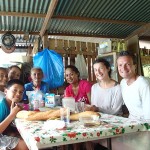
[91,108]
[89,97]
[5,123]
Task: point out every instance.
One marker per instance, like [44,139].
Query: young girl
[14,72]
[3,78]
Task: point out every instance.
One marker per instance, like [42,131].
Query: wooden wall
[69,50]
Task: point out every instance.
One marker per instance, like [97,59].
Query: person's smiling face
[15,93]
[3,77]
[36,76]
[71,76]
[126,68]
[100,70]
[14,73]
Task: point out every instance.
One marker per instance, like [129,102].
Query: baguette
[76,116]
[51,115]
[36,115]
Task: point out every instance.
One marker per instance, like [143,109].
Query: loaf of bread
[76,116]
[37,115]
[50,115]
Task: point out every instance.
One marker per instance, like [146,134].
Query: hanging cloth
[81,65]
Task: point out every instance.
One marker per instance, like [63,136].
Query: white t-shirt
[137,98]
[109,100]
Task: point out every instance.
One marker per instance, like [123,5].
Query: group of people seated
[11,93]
[106,96]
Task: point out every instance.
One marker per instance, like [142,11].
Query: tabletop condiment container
[49,100]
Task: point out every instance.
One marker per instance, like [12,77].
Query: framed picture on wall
[111,58]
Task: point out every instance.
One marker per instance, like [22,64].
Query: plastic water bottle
[38,100]
[35,104]
[69,101]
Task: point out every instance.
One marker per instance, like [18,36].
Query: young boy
[8,110]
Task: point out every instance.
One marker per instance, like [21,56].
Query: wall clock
[8,40]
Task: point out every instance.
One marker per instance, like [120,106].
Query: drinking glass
[65,115]
[57,100]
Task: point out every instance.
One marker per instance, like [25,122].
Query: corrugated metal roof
[133,10]
[90,28]
[126,12]
[27,6]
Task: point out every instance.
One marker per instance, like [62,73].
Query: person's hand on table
[91,108]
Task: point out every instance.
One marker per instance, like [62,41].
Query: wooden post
[45,41]
[133,45]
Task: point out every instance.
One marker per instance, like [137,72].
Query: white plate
[53,124]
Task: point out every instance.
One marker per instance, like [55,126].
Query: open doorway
[145,57]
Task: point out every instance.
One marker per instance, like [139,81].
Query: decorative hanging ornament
[8,43]
[8,40]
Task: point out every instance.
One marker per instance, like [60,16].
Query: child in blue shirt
[8,110]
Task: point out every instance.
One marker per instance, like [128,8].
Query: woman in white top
[106,93]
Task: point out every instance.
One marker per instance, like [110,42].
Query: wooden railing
[70,49]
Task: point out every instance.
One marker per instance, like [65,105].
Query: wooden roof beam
[99,20]
[19,32]
[19,14]
[84,35]
[33,15]
[49,14]
[144,38]
[63,34]
[140,31]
